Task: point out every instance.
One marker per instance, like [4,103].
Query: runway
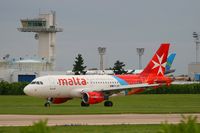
[107,119]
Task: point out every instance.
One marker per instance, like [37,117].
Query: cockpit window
[33,82]
[37,82]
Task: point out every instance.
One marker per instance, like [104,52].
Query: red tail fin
[157,64]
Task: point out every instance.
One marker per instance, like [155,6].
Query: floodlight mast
[102,51]
[140,52]
[196,37]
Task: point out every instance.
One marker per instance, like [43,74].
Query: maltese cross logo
[159,64]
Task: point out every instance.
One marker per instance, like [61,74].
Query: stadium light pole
[140,52]
[196,37]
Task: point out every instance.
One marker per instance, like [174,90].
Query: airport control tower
[45,29]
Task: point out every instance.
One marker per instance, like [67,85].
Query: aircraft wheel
[47,104]
[108,103]
[84,104]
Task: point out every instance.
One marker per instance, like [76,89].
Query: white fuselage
[70,86]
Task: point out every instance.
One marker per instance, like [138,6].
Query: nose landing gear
[48,102]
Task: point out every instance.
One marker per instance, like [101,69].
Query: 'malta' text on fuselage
[72,81]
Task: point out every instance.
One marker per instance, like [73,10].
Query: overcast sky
[119,25]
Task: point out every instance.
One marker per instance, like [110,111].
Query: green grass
[94,129]
[171,103]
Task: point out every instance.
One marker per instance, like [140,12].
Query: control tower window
[36,23]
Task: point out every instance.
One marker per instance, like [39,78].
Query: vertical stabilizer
[157,64]
[170,60]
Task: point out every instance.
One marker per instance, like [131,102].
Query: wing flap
[125,87]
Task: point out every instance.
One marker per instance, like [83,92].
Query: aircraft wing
[125,87]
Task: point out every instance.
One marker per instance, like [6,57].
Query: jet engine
[93,97]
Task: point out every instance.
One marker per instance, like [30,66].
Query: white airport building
[24,70]
[194,71]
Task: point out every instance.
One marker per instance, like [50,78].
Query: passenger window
[41,82]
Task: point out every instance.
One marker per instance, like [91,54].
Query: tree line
[79,67]
[17,89]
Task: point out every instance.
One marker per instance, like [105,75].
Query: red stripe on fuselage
[131,79]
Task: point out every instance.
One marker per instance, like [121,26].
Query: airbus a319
[93,89]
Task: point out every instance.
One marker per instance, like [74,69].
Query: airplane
[93,89]
[170,60]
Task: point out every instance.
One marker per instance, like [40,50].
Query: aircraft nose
[28,90]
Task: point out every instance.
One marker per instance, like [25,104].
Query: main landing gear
[84,104]
[108,103]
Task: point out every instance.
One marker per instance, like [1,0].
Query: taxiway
[107,119]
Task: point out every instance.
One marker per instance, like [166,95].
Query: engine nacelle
[93,97]
[59,100]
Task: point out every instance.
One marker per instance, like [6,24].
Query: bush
[187,125]
[12,88]
[38,127]
[175,89]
